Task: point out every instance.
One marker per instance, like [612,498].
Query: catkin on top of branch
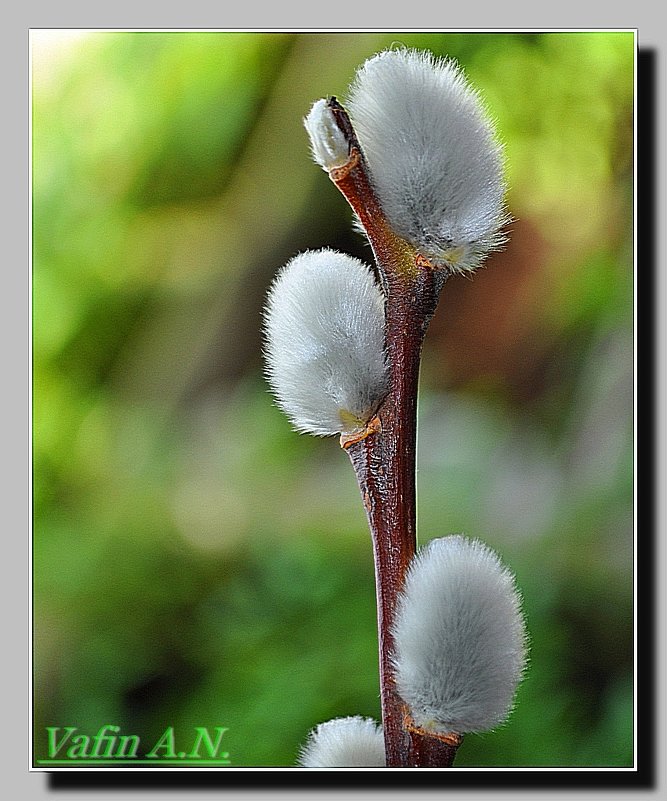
[433,155]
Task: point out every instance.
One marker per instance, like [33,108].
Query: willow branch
[384,459]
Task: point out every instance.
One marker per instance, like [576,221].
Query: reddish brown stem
[384,463]
[385,460]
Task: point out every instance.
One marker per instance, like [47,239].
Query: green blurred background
[195,562]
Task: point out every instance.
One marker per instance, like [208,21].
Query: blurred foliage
[195,562]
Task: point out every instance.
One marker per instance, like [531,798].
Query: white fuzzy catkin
[433,156]
[460,641]
[327,142]
[324,343]
[353,742]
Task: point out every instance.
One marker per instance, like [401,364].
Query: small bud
[324,343]
[353,742]
[460,641]
[432,154]
[328,144]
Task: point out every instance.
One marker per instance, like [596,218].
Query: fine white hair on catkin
[327,142]
[460,640]
[433,155]
[353,742]
[324,343]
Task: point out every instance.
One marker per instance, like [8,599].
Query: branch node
[423,262]
[373,426]
[448,738]
[339,173]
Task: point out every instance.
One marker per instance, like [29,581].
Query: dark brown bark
[385,463]
[385,460]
